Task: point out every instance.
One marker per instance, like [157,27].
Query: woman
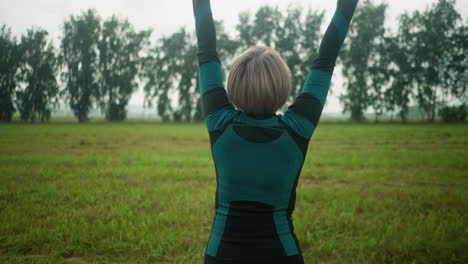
[258,155]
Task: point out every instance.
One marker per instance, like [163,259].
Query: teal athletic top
[258,158]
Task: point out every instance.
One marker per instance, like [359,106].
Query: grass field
[144,193]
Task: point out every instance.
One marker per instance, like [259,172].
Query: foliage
[424,61]
[80,57]
[119,64]
[362,61]
[455,76]
[454,113]
[437,59]
[38,73]
[171,68]
[401,68]
[10,59]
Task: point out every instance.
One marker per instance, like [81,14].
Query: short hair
[259,81]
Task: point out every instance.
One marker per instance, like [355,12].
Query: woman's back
[257,162]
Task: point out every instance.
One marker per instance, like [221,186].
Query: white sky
[166,16]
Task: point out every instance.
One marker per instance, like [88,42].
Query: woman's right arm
[216,107]
[304,114]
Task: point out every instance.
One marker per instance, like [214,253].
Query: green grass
[144,193]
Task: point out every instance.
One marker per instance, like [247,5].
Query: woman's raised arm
[206,34]
[216,107]
[308,106]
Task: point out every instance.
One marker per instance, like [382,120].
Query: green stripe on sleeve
[317,84]
[211,76]
[216,120]
[298,123]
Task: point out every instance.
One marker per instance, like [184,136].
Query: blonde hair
[259,81]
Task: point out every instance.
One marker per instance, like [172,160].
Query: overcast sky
[166,16]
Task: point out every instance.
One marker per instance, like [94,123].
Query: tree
[157,83]
[379,72]
[227,46]
[10,57]
[37,73]
[171,69]
[185,65]
[119,63]
[245,29]
[455,76]
[435,45]
[454,113]
[360,59]
[297,39]
[79,55]
[266,25]
[399,71]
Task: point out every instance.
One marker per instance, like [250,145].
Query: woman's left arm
[304,114]
[216,107]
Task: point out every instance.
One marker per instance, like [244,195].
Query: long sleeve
[206,33]
[216,107]
[304,114]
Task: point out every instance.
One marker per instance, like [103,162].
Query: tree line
[101,63]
